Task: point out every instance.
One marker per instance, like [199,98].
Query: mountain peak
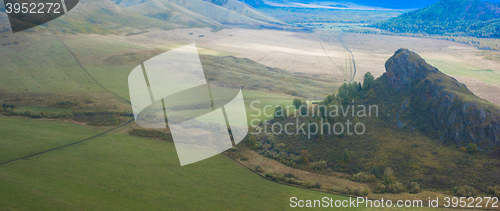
[441,106]
[406,66]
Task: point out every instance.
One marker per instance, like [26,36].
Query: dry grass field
[321,53]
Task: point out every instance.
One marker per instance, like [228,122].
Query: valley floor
[117,171]
[321,53]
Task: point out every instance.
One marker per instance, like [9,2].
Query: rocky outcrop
[406,67]
[443,105]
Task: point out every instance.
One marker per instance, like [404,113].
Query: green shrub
[414,187]
[291,179]
[494,190]
[396,188]
[354,191]
[259,169]
[304,157]
[389,177]
[280,112]
[375,171]
[363,177]
[297,103]
[252,142]
[471,148]
[317,185]
[466,191]
[319,166]
[380,188]
[360,191]
[5,106]
[65,104]
[149,133]
[345,156]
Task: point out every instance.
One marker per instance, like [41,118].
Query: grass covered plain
[121,172]
[20,137]
[27,68]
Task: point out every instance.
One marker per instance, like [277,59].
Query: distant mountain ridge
[449,17]
[389,4]
[133,16]
[215,12]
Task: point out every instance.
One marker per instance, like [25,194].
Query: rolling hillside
[174,14]
[103,16]
[26,68]
[449,17]
[100,16]
[226,12]
[131,16]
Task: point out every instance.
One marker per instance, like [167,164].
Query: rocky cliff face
[406,67]
[441,105]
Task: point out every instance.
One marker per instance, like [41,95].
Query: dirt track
[311,53]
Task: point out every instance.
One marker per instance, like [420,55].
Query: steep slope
[441,106]
[449,17]
[226,12]
[173,13]
[98,16]
[423,124]
[242,8]
[103,16]
[215,12]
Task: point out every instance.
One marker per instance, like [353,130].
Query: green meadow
[29,69]
[21,137]
[120,172]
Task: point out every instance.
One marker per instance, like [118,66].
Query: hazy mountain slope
[450,17]
[173,13]
[391,4]
[215,12]
[128,3]
[103,16]
[242,8]
[226,12]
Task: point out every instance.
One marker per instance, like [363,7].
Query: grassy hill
[226,12]
[101,17]
[92,16]
[173,13]
[130,16]
[27,68]
[121,172]
[449,17]
[216,13]
[242,8]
